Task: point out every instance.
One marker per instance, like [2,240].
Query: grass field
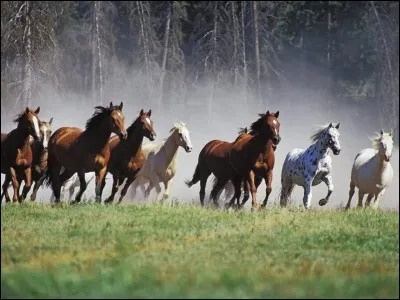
[187,252]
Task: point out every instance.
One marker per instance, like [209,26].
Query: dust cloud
[301,109]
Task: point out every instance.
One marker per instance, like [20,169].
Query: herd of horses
[32,153]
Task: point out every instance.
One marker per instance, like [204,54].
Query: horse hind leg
[369,198]
[237,182]
[286,192]
[351,193]
[217,188]
[360,199]
[128,182]
[5,188]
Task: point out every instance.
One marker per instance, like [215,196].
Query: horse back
[217,148]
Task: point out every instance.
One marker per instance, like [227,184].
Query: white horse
[311,166]
[372,172]
[71,184]
[160,162]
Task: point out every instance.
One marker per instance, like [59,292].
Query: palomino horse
[234,161]
[311,166]
[16,154]
[372,172]
[86,151]
[262,169]
[127,158]
[39,157]
[160,162]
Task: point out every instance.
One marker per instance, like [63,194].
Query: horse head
[332,138]
[45,131]
[272,126]
[182,136]
[147,124]
[117,121]
[385,143]
[29,120]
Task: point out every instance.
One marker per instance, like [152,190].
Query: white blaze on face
[148,121]
[36,126]
[45,140]
[274,122]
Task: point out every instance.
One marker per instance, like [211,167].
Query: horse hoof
[322,202]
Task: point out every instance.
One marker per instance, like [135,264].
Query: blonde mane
[376,140]
[178,125]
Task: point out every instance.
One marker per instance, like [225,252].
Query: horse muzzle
[336,151]
[276,140]
[123,136]
[188,149]
[387,158]
[152,136]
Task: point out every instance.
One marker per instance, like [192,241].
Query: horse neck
[319,149]
[98,137]
[258,144]
[21,136]
[134,142]
[170,148]
[380,163]
[43,158]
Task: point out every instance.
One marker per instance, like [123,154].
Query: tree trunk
[257,50]
[27,57]
[99,57]
[94,42]
[164,57]
[145,45]
[235,47]
[244,55]
[214,58]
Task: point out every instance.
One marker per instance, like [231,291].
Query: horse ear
[277,114]
[111,104]
[149,113]
[337,126]
[141,112]
[267,113]
[27,109]
[391,132]
[51,120]
[330,125]
[120,106]
[37,110]
[381,131]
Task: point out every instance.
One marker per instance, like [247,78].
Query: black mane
[132,127]
[98,116]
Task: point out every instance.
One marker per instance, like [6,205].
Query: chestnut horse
[263,169]
[16,154]
[234,161]
[127,157]
[39,157]
[79,151]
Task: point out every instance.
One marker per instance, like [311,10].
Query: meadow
[153,251]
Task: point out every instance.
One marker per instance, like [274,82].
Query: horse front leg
[253,190]
[100,176]
[307,192]
[328,181]
[237,182]
[28,183]
[167,188]
[36,187]
[15,183]
[114,189]
[268,184]
[128,182]
[6,183]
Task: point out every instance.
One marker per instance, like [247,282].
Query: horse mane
[179,125]
[243,130]
[19,117]
[317,134]
[98,115]
[257,125]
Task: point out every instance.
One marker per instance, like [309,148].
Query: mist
[301,109]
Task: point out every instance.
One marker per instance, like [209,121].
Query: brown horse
[16,154]
[127,156]
[79,151]
[39,157]
[263,169]
[234,161]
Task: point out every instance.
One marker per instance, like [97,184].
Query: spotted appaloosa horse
[311,166]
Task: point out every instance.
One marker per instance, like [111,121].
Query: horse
[16,153]
[72,183]
[127,158]
[160,162]
[39,157]
[263,169]
[311,166]
[372,172]
[234,161]
[84,151]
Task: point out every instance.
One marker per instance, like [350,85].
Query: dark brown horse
[234,161]
[16,154]
[127,156]
[39,157]
[79,151]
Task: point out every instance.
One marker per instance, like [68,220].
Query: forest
[170,49]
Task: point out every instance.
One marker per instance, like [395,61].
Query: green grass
[138,251]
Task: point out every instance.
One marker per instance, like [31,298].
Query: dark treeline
[252,47]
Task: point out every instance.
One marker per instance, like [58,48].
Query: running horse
[263,170]
[127,156]
[76,151]
[16,154]
[234,161]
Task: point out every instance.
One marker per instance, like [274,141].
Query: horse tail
[47,174]
[195,178]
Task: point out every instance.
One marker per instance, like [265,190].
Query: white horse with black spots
[309,167]
[372,172]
